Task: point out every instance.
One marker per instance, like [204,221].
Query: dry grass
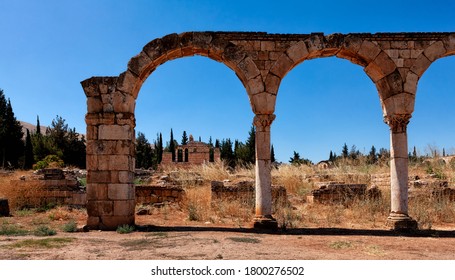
[198,206]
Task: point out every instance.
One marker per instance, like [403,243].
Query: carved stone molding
[398,123]
[263,120]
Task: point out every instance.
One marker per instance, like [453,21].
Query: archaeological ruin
[393,61]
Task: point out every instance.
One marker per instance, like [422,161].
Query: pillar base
[401,222]
[265,222]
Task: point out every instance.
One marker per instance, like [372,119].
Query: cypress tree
[184,138]
[12,146]
[28,156]
[272,154]
[172,146]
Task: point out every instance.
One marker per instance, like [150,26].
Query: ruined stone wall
[158,194]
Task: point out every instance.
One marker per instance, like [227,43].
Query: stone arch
[435,51]
[175,46]
[376,62]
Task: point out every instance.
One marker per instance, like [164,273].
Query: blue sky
[47,47]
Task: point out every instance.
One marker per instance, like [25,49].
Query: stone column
[399,218]
[110,155]
[263,218]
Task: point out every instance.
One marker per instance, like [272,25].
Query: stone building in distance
[194,152]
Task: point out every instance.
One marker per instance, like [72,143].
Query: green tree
[272,154]
[172,146]
[144,152]
[372,157]
[251,146]
[297,160]
[184,138]
[226,152]
[28,153]
[12,146]
[345,151]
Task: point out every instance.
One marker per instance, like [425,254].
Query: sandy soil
[177,238]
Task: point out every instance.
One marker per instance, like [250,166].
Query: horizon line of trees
[58,145]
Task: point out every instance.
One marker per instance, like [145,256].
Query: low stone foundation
[158,194]
[337,192]
[245,192]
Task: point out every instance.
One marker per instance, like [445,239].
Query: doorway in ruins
[206,100]
[322,105]
[431,146]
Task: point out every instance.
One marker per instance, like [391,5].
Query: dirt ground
[159,237]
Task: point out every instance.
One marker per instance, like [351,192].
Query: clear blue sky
[48,47]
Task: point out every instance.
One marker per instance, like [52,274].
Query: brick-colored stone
[282,66]
[368,51]
[124,207]
[121,191]
[255,85]
[298,52]
[97,191]
[420,65]
[115,132]
[435,51]
[249,68]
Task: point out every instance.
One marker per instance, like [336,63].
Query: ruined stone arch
[175,46]
[393,61]
[376,62]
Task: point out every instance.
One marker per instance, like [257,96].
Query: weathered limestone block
[127,83]
[255,85]
[124,207]
[99,208]
[249,68]
[420,65]
[123,102]
[410,85]
[120,191]
[338,193]
[435,51]
[263,103]
[282,66]
[97,191]
[115,132]
[141,65]
[298,52]
[94,105]
[368,51]
[272,83]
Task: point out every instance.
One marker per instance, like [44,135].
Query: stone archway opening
[430,137]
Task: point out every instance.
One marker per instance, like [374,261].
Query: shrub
[71,226]
[123,229]
[44,231]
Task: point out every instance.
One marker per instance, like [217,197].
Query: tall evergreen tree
[38,126]
[28,154]
[159,149]
[172,146]
[144,152]
[12,146]
[226,152]
[184,138]
[372,157]
[345,151]
[272,154]
[251,145]
[331,157]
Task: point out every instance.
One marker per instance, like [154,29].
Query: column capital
[397,122]
[263,120]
